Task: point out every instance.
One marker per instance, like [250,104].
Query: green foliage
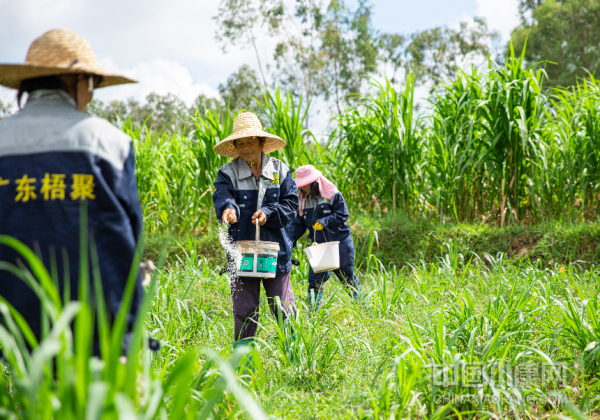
[406,348]
[493,147]
[575,148]
[403,351]
[5,109]
[160,113]
[564,34]
[175,174]
[58,378]
[403,241]
[204,103]
[240,89]
[479,152]
[437,54]
[331,52]
[286,119]
[376,151]
[241,22]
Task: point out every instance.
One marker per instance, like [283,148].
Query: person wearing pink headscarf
[324,213]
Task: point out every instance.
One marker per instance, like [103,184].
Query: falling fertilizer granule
[234,256]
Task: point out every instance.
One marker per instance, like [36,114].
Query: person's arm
[127,194]
[297,229]
[280,214]
[224,195]
[339,213]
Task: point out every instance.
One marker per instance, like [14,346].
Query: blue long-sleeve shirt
[274,193]
[53,158]
[332,214]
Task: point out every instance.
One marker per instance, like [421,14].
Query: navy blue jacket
[53,158]
[275,193]
[333,215]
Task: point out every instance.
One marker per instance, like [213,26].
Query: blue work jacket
[274,193]
[53,158]
[333,215]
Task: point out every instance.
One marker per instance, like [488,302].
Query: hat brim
[303,182]
[226,147]
[11,75]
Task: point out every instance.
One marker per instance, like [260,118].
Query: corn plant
[512,116]
[454,146]
[210,128]
[379,146]
[286,119]
[573,176]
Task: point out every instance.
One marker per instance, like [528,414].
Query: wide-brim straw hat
[55,53]
[246,124]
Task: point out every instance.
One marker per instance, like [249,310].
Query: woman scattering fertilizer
[324,213]
[256,189]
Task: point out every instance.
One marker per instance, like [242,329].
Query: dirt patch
[521,245]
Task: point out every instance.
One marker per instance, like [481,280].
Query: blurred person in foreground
[324,213]
[255,188]
[53,157]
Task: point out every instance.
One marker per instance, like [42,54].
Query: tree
[526,8]
[565,34]
[336,47]
[299,61]
[162,113]
[391,54]
[241,88]
[5,109]
[436,53]
[204,103]
[330,52]
[365,47]
[243,20]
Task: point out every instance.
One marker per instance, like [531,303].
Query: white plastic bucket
[323,257]
[259,259]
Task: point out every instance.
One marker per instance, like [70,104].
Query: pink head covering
[306,175]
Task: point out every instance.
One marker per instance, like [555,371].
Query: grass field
[458,336]
[377,358]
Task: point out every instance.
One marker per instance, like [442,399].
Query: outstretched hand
[229,216]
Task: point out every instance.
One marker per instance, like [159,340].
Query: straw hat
[245,125]
[58,52]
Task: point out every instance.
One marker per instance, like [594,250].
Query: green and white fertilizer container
[259,259]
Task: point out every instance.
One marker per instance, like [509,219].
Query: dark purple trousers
[245,294]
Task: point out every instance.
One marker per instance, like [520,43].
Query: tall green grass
[401,351]
[57,377]
[492,146]
[285,117]
[486,147]
[376,152]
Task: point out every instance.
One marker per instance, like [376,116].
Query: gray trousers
[245,294]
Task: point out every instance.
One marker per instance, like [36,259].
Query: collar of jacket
[43,95]
[268,169]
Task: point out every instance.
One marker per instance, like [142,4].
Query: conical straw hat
[245,125]
[58,52]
